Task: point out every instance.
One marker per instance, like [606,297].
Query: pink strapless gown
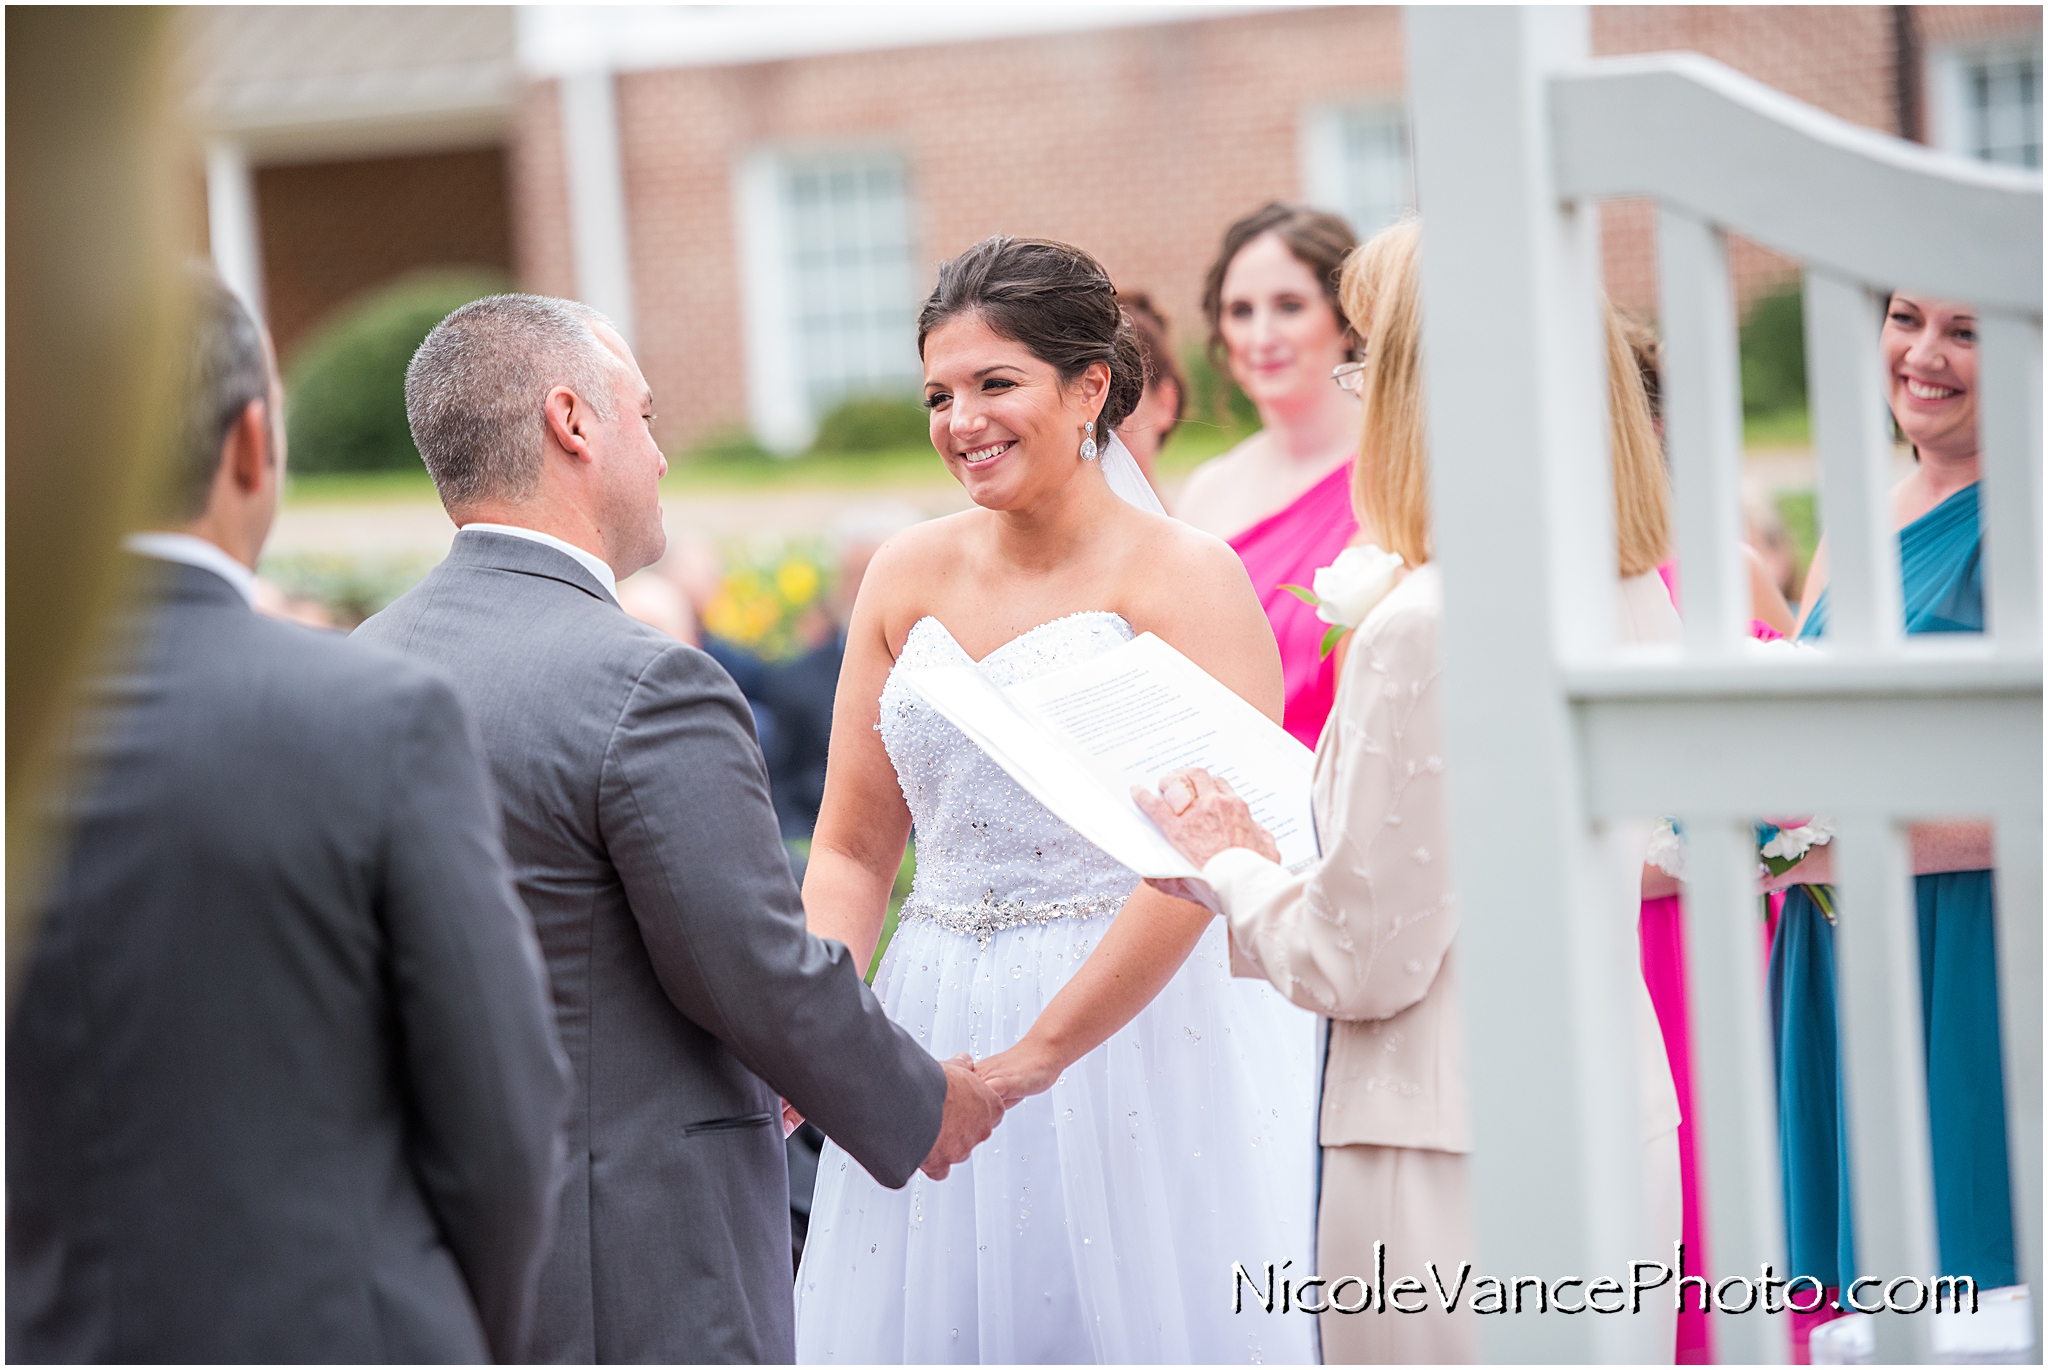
[1288,548]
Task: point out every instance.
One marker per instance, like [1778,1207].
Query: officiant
[1367,936]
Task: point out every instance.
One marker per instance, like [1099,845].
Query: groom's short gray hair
[474,391]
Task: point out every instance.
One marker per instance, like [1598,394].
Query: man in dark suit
[688,991]
[282,1079]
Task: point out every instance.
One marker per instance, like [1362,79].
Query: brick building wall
[1843,59]
[1140,144]
[1840,59]
[538,186]
[333,229]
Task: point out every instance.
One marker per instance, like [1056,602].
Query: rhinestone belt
[991,916]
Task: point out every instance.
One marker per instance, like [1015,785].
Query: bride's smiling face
[1007,428]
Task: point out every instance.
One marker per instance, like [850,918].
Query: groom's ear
[568,420]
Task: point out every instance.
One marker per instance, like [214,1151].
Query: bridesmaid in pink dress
[1282,497]
[1662,927]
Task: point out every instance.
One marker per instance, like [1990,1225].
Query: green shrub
[351,587]
[346,391]
[1213,397]
[1773,344]
[873,423]
[728,445]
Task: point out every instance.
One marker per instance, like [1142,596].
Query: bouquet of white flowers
[1778,848]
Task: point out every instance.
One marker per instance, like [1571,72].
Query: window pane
[2003,93]
[850,274]
[1374,175]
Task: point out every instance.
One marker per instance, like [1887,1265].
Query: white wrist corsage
[1667,849]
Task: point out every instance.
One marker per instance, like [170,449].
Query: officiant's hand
[972,1112]
[1202,816]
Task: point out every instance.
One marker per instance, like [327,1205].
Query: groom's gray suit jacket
[687,991]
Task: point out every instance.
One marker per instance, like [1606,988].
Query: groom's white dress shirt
[195,551]
[591,563]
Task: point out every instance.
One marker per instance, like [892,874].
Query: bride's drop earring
[1088,448]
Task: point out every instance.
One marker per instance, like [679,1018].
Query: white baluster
[1884,1071]
[1852,432]
[2009,437]
[1735,1124]
[1509,282]
[2017,884]
[1703,429]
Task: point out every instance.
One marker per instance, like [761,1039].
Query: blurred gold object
[93,150]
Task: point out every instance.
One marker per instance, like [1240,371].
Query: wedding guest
[800,692]
[1279,497]
[277,602]
[654,600]
[282,1076]
[1929,348]
[1633,400]
[1766,551]
[1395,1127]
[693,566]
[1166,389]
[636,811]
[1777,561]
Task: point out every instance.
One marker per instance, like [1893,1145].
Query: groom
[687,991]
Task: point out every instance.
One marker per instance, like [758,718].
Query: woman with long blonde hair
[1367,937]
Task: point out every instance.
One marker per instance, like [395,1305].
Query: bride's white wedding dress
[1102,1220]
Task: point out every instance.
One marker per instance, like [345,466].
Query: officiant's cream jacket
[1367,936]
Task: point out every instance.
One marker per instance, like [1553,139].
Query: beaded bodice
[989,856]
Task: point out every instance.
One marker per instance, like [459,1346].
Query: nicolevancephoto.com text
[1273,1291]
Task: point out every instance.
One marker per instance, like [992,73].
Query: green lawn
[359,487]
[801,846]
[1192,444]
[1796,507]
[1784,428]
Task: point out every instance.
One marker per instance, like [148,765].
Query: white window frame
[778,403]
[1324,165]
[1948,95]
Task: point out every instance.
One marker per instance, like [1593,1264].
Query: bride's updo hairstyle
[1054,299]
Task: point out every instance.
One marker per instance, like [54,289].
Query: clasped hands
[978,1093]
[1201,815]
[975,1103]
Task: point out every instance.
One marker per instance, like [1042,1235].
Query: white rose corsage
[1667,848]
[1347,589]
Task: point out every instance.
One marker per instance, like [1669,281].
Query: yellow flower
[722,615]
[797,579]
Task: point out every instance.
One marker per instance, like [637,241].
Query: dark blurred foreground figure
[282,1083]
[688,991]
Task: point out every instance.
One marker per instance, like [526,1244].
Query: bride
[1159,1126]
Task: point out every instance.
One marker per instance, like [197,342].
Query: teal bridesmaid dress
[1940,556]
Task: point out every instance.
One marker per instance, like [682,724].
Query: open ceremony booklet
[1077,739]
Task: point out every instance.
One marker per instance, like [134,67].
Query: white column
[1524,531]
[231,225]
[597,196]
[778,410]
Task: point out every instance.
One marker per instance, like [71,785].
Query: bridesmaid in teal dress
[1931,365]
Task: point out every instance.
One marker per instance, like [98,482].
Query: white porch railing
[1555,735]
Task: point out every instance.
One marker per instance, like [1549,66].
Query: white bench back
[1557,737]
